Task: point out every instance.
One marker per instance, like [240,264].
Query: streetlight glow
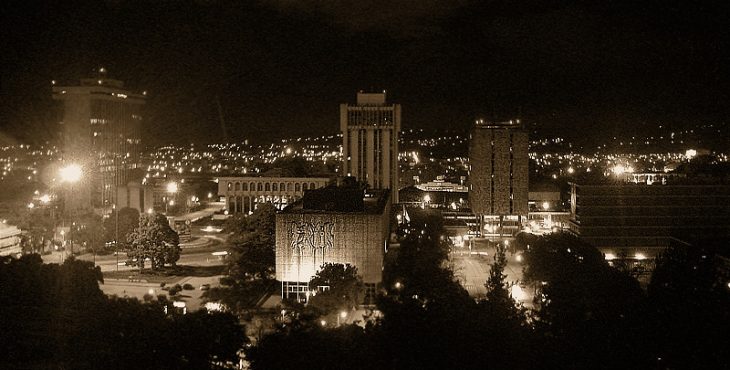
[172,187]
[71,173]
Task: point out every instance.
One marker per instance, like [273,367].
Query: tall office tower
[100,133]
[370,132]
[499,176]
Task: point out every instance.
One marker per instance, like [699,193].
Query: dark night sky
[280,68]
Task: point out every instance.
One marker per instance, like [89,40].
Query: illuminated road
[472,270]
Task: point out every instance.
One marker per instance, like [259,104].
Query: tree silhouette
[343,292]
[154,239]
[251,264]
[121,225]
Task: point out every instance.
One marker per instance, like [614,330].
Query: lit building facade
[638,221]
[499,173]
[370,131]
[242,194]
[332,225]
[9,240]
[101,124]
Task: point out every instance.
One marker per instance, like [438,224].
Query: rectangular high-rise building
[498,192]
[370,131]
[100,132]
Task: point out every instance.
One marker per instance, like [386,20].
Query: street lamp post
[343,315]
[116,233]
[71,174]
[172,188]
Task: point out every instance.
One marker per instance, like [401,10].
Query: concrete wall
[304,241]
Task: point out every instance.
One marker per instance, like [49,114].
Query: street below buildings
[471,268]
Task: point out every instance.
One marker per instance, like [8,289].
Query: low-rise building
[638,220]
[9,240]
[344,225]
[243,193]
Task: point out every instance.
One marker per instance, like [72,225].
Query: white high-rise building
[370,131]
[100,132]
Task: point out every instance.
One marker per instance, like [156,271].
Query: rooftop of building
[660,180]
[513,123]
[101,81]
[346,198]
[371,97]
[266,176]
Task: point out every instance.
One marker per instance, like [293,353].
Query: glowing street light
[618,170]
[71,173]
[342,315]
[517,293]
[172,187]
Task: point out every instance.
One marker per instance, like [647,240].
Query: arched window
[260,187]
[311,185]
[238,186]
[252,187]
[267,187]
[245,186]
[230,186]
[288,186]
[305,186]
[275,187]
[282,187]
[296,187]
[246,204]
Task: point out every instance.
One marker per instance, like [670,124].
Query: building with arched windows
[242,194]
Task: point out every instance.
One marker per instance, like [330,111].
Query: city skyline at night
[365,184]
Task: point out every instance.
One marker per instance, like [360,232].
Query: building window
[296,187]
[267,187]
[274,187]
[282,187]
[245,186]
[260,187]
[238,186]
[230,186]
[311,185]
[252,187]
[305,186]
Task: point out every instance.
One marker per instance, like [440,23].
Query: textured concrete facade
[499,160]
[307,237]
[305,241]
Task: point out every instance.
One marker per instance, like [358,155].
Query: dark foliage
[56,317]
[690,308]
[251,264]
[589,312]
[154,239]
[344,288]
